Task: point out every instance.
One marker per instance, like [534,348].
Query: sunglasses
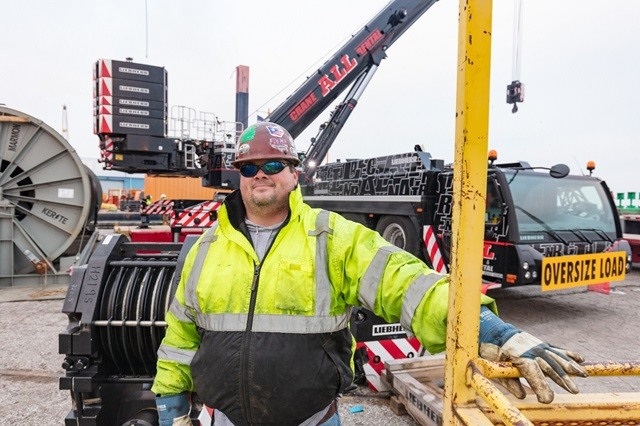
[269,168]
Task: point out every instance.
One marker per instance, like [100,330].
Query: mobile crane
[116,303]
[352,67]
[532,218]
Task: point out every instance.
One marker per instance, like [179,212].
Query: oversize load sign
[583,269]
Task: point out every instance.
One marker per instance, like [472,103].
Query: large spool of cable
[116,305]
[47,195]
[131,313]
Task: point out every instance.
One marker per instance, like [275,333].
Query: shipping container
[177,188]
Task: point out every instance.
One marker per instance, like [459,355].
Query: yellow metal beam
[470,182]
[495,399]
[591,409]
[494,370]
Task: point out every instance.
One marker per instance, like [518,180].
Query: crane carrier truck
[117,301]
[540,226]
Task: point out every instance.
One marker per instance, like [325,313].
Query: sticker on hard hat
[275,131]
[248,134]
[583,269]
[243,149]
[281,144]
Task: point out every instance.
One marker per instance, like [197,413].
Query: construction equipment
[532,219]
[116,305]
[149,151]
[535,222]
[539,221]
[48,200]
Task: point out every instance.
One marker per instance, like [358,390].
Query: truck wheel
[399,231]
[355,217]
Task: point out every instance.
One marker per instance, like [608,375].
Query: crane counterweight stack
[137,135]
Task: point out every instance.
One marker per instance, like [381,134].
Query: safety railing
[186,123]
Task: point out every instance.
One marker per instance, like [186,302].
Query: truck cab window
[568,204]
[493,213]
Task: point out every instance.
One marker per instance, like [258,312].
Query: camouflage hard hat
[265,141]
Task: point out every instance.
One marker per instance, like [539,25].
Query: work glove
[173,410]
[501,341]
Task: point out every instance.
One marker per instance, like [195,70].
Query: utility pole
[65,123]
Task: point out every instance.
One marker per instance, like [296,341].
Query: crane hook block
[515,94]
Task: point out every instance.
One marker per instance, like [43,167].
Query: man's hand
[500,341]
[173,410]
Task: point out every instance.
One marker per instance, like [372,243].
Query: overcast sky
[580,65]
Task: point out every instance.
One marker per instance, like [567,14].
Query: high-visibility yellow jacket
[268,342]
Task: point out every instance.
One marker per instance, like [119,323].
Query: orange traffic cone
[603,288]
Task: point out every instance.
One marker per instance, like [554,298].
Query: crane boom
[152,152]
[353,65]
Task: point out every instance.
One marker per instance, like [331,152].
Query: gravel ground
[600,327]
[29,341]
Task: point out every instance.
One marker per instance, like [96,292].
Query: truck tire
[399,231]
[355,217]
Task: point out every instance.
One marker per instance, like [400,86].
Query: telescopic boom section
[353,65]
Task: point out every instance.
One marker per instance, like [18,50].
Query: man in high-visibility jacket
[259,327]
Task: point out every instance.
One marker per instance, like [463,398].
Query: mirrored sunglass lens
[249,170]
[272,167]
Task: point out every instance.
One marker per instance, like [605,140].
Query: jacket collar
[237,213]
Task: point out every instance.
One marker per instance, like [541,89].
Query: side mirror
[559,171]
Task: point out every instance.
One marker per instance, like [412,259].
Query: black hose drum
[116,306]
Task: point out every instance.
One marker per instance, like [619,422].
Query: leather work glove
[173,410]
[501,341]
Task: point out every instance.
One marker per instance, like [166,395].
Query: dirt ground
[602,327]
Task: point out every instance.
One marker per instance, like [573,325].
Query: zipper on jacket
[246,341]
[246,344]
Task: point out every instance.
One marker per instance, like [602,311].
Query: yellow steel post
[469,186]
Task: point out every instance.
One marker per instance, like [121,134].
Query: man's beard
[262,201]
[267,199]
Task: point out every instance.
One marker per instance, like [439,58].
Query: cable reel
[116,306]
